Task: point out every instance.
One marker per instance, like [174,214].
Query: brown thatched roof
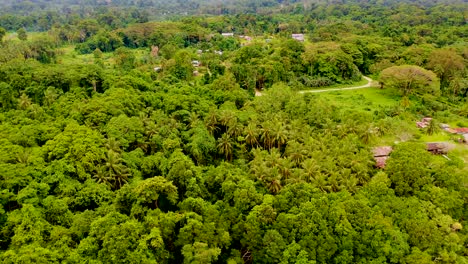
[382,151]
[380,162]
[461,130]
[437,147]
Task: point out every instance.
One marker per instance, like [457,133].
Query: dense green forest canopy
[130,132]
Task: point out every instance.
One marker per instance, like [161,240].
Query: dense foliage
[115,147]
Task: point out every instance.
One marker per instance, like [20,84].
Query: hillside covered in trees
[130,131]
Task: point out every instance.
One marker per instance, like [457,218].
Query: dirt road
[369,84]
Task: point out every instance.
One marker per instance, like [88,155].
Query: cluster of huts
[462,131]
[298,36]
[382,154]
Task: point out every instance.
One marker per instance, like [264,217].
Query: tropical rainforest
[154,131]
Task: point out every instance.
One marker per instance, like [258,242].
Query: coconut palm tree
[279,134]
[235,128]
[295,151]
[225,146]
[50,95]
[113,144]
[251,134]
[115,171]
[227,117]
[265,136]
[102,176]
[211,121]
[193,119]
[311,170]
[24,101]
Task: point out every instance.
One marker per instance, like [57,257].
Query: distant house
[437,147]
[154,51]
[461,130]
[248,38]
[424,122]
[227,34]
[299,37]
[196,63]
[381,154]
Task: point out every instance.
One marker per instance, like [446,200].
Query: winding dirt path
[369,84]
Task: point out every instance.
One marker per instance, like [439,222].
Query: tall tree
[410,79]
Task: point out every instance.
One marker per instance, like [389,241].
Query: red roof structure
[382,151]
[381,154]
[380,162]
[461,130]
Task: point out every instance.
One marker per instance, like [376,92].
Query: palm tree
[116,171]
[211,121]
[235,128]
[274,186]
[23,156]
[333,183]
[265,136]
[193,119]
[320,182]
[24,101]
[113,145]
[432,128]
[50,95]
[273,158]
[367,135]
[279,134]
[102,176]
[311,170]
[251,133]
[295,151]
[273,181]
[225,146]
[285,167]
[227,117]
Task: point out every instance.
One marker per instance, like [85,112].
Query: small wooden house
[381,154]
[437,148]
[299,37]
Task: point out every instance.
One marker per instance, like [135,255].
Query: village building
[424,122]
[381,154]
[299,37]
[227,34]
[248,38]
[463,131]
[437,148]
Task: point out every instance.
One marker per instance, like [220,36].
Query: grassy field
[12,36]
[68,55]
[361,99]
[404,128]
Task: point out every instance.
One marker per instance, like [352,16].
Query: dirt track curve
[369,84]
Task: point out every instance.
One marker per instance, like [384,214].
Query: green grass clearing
[361,99]
[12,36]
